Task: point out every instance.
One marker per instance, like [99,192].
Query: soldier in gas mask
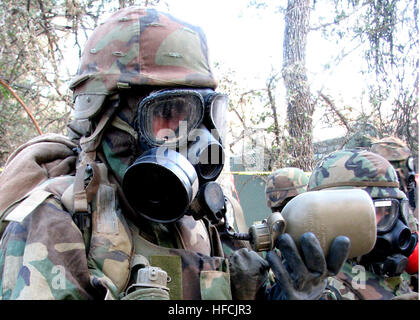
[284,184]
[399,155]
[379,274]
[142,217]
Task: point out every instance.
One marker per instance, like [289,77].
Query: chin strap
[88,175]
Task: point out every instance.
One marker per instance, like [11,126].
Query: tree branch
[336,111]
[4,84]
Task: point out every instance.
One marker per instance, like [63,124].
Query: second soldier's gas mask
[181,132]
[407,177]
[394,242]
[406,173]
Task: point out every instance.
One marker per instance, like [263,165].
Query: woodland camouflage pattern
[375,175]
[143,47]
[47,252]
[194,275]
[353,282]
[46,255]
[356,168]
[29,261]
[396,151]
[359,169]
[391,148]
[284,183]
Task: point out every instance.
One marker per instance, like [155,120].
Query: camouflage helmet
[391,148]
[356,169]
[137,46]
[283,184]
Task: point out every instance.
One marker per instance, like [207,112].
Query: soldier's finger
[279,270]
[296,267]
[338,253]
[313,255]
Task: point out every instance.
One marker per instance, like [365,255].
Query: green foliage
[385,34]
[34,37]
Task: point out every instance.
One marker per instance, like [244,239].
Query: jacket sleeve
[44,257]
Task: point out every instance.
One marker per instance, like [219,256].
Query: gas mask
[394,242]
[407,177]
[406,173]
[181,132]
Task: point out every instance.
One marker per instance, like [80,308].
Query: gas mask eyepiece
[167,117]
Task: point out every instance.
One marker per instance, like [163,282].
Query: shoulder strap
[22,207]
[33,200]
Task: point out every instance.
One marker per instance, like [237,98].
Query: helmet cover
[137,46]
[356,169]
[391,148]
[284,183]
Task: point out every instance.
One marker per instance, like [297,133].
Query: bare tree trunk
[270,86]
[299,104]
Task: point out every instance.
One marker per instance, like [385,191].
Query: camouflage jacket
[354,282]
[46,256]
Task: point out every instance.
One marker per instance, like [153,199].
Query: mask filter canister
[160,185]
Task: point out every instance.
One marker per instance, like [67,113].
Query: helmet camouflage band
[391,148]
[356,169]
[138,46]
[283,184]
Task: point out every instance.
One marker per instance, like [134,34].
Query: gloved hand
[304,277]
[248,274]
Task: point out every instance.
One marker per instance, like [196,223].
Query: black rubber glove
[248,274]
[304,277]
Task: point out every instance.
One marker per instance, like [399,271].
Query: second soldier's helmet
[356,169]
[284,184]
[139,47]
[391,148]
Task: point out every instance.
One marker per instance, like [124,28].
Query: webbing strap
[89,144]
[37,197]
[286,188]
[386,184]
[82,195]
[93,185]
[124,126]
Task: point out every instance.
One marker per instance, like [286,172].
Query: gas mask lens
[404,208]
[386,214]
[167,117]
[410,163]
[218,114]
